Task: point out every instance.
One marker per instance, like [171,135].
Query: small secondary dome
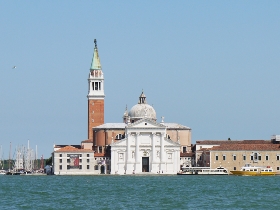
[142,110]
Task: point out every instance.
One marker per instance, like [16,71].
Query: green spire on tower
[95,63]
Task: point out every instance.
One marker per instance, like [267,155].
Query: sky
[210,65]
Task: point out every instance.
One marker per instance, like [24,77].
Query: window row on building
[277,168]
[69,155]
[75,167]
[254,157]
[79,160]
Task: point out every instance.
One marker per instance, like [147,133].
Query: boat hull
[185,174]
[201,173]
[252,173]
[12,173]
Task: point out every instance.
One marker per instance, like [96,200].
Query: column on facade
[161,147]
[128,148]
[153,147]
[137,155]
[137,148]
[162,151]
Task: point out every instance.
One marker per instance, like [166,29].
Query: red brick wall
[95,115]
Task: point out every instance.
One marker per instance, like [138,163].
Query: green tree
[49,161]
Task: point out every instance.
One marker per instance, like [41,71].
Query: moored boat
[2,172]
[203,171]
[12,173]
[249,170]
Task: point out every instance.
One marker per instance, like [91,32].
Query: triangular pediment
[146,123]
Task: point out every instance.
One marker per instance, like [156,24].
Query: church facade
[145,148]
[138,144]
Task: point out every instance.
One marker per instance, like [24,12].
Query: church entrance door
[145,164]
[102,169]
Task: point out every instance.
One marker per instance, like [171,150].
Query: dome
[142,109]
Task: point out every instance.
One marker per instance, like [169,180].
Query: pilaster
[137,166]
[154,165]
[162,155]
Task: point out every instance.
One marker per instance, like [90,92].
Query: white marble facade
[144,149]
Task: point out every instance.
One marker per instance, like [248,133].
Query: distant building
[233,154]
[70,160]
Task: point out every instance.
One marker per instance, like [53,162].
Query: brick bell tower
[95,93]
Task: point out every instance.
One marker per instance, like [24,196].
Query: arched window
[119,136]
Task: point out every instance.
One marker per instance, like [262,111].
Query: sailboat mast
[36,163]
[42,162]
[10,156]
[1,163]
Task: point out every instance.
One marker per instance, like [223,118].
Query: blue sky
[210,65]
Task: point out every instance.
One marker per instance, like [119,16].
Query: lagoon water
[139,192]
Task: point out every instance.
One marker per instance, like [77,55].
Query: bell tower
[95,93]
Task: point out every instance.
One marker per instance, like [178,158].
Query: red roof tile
[72,149]
[251,147]
[189,154]
[61,146]
[203,149]
[220,142]
[101,155]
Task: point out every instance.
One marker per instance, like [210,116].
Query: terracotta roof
[220,142]
[72,149]
[203,149]
[101,155]
[251,147]
[63,145]
[187,154]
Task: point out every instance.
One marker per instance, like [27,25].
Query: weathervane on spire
[95,42]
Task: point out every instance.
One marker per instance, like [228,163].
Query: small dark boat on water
[13,173]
